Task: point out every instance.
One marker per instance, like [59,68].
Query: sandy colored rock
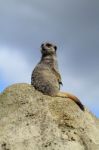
[30,120]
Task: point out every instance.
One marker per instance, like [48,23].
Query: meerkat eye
[55,47]
[42,45]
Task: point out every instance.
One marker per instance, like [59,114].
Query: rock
[30,120]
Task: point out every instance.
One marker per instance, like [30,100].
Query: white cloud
[14,67]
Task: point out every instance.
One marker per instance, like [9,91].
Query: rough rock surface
[30,120]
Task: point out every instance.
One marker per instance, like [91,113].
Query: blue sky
[73,25]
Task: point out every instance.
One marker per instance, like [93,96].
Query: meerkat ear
[55,47]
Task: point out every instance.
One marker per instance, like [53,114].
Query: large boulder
[30,120]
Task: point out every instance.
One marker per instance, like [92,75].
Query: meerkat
[46,77]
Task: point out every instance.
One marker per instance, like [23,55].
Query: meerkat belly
[45,81]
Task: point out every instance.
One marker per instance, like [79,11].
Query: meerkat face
[48,48]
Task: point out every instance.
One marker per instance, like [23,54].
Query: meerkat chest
[52,60]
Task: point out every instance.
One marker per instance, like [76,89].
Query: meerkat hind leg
[72,97]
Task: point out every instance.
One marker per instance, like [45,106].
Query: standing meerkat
[46,77]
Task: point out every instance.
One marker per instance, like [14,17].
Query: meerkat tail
[72,97]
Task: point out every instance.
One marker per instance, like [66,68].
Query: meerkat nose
[48,44]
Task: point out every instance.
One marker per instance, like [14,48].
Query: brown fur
[46,77]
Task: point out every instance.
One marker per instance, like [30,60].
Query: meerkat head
[48,48]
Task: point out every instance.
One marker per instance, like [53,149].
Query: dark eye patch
[42,45]
[55,47]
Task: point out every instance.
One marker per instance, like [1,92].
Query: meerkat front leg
[72,97]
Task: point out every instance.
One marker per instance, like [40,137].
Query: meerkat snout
[48,48]
[48,45]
